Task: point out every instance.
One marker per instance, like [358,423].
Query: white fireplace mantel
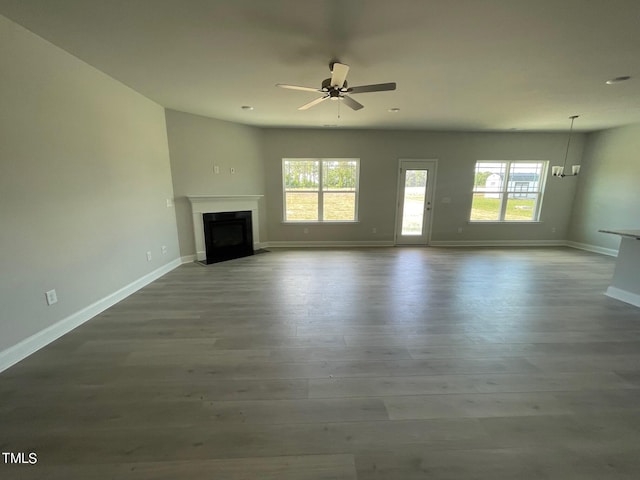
[222,203]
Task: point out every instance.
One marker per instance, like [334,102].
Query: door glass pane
[415,187]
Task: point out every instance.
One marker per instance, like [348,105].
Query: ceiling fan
[336,88]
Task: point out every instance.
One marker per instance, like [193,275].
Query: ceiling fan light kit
[336,88]
[558,171]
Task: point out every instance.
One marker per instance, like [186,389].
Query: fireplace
[201,204]
[227,235]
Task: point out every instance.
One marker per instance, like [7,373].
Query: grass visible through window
[488,209]
[303,206]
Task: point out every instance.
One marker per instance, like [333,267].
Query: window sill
[503,222]
[325,222]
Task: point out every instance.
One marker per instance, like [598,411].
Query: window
[508,191]
[320,189]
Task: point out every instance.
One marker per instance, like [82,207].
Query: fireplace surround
[201,204]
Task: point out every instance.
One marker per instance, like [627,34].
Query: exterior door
[416,179]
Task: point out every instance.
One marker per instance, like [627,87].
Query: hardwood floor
[367,364]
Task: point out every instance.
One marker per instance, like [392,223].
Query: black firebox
[227,235]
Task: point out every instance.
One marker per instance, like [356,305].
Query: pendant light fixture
[558,171]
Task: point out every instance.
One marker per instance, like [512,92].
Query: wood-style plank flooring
[367,364]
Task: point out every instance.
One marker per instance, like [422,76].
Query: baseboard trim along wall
[498,243]
[35,342]
[329,243]
[593,248]
[623,296]
[525,243]
[435,243]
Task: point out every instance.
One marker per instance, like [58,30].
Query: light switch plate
[52,297]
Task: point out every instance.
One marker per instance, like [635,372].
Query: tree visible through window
[508,191]
[320,190]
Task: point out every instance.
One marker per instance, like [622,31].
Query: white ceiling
[475,65]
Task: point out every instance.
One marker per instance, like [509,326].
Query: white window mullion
[320,191]
[284,191]
[536,207]
[540,190]
[357,192]
[505,191]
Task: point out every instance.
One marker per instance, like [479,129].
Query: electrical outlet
[148,256]
[306,230]
[164,249]
[169,203]
[52,297]
[553,229]
[216,169]
[459,229]
[374,230]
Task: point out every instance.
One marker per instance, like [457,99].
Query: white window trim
[320,192]
[504,192]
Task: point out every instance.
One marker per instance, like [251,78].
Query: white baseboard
[593,248]
[525,243]
[623,296]
[32,344]
[498,243]
[330,244]
[434,243]
[188,259]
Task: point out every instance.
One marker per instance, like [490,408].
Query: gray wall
[456,153]
[608,195]
[197,144]
[84,178]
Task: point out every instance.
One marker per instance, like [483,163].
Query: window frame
[320,190]
[504,192]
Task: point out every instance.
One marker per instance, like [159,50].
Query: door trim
[431,189]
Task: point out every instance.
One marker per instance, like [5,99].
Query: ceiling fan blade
[378,87]
[350,102]
[339,74]
[296,87]
[312,103]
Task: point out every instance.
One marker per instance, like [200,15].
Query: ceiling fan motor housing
[327,87]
